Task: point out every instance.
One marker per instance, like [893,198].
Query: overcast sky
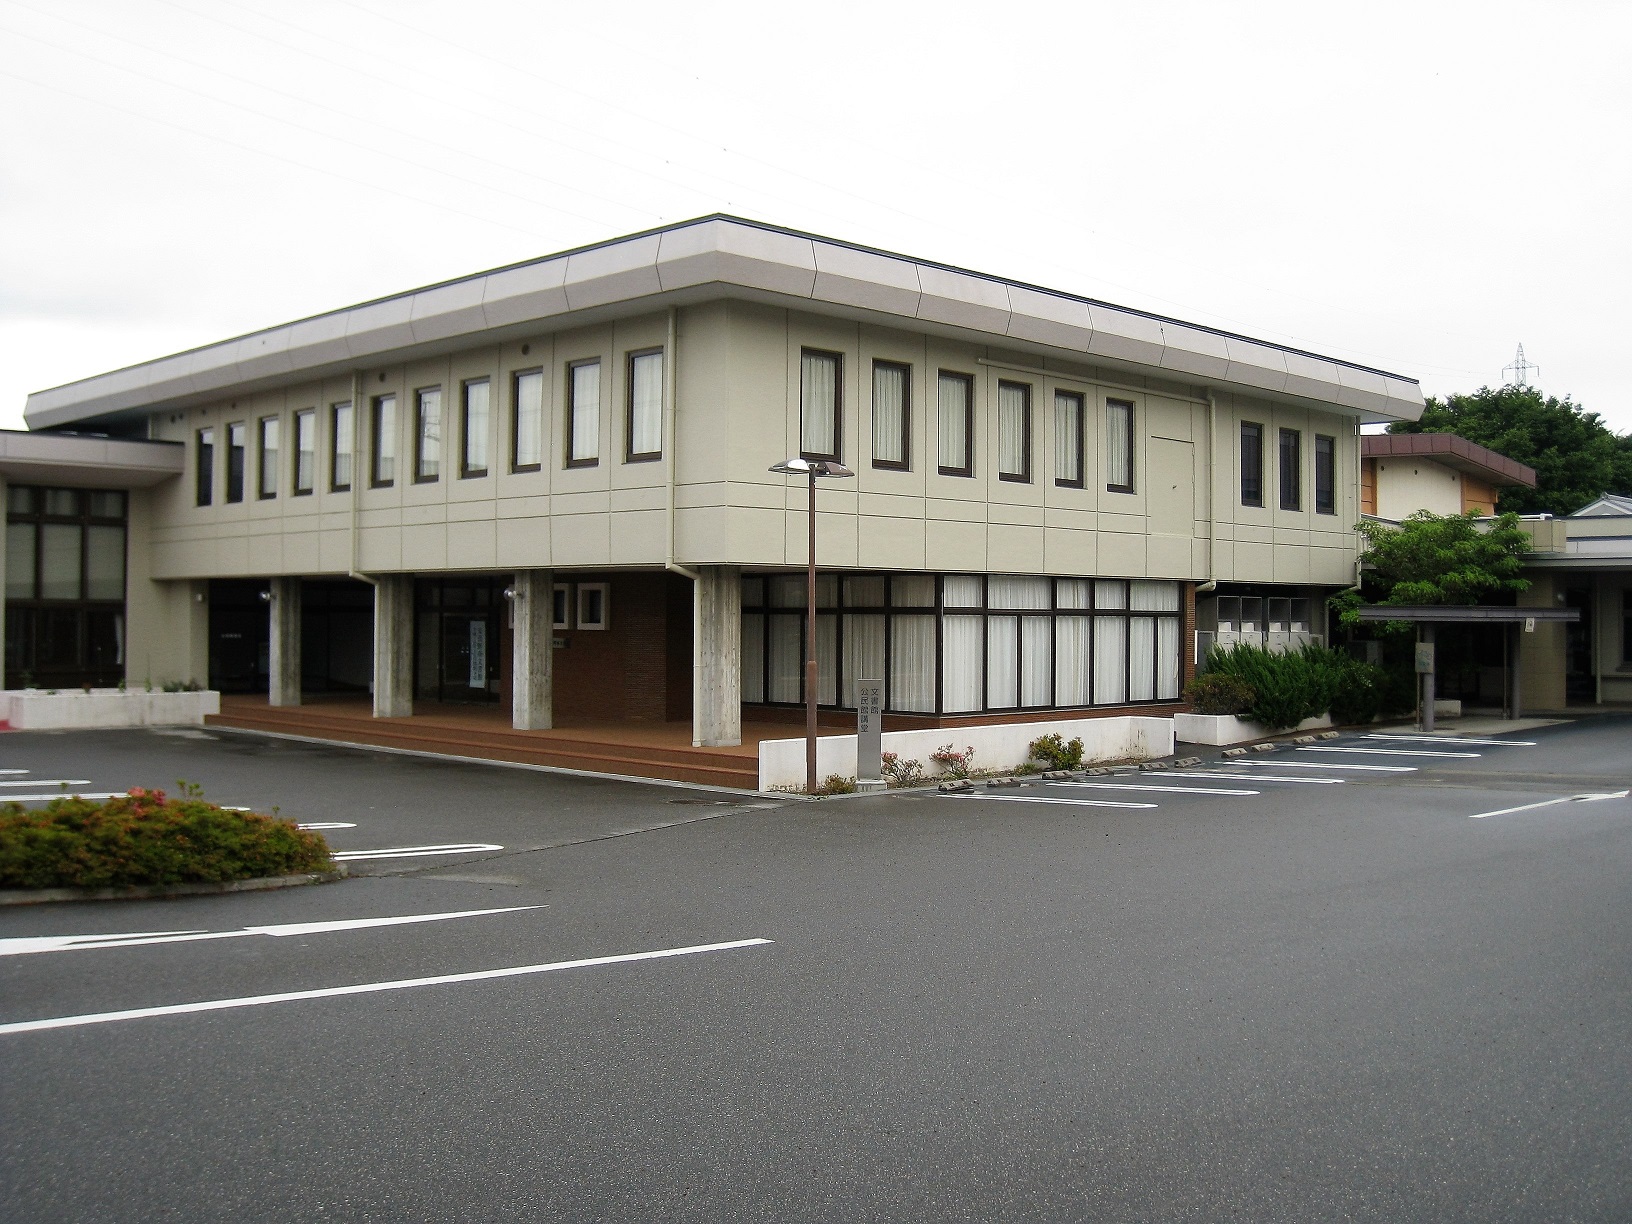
[1419,187]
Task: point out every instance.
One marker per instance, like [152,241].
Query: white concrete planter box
[1448,707]
[68,709]
[1219,729]
[997,746]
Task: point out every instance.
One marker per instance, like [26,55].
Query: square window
[593,601]
[561,615]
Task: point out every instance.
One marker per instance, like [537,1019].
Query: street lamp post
[811,468]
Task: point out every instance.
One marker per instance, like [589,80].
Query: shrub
[1289,687]
[145,838]
[954,764]
[901,772]
[1219,693]
[1055,752]
[837,784]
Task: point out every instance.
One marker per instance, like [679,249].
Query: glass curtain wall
[964,643]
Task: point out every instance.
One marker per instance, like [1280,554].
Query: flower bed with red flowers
[144,837]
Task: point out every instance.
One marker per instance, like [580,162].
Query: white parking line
[1168,790]
[329,824]
[1329,765]
[1105,803]
[137,939]
[50,782]
[1411,752]
[14,771]
[63,795]
[181,1009]
[1240,777]
[1452,739]
[1530,807]
[352,856]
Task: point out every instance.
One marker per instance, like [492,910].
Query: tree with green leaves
[1437,559]
[1576,456]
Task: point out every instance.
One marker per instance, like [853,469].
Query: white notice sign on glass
[478,654]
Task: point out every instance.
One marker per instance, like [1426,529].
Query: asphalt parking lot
[1359,978]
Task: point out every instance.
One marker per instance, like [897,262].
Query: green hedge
[145,838]
[1293,685]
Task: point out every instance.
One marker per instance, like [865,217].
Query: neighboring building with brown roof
[1404,473]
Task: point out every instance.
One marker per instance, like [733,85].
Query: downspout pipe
[354,544]
[1212,496]
[671,362]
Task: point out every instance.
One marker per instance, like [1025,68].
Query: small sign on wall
[1425,658]
[478,654]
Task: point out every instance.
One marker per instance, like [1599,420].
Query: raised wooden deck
[638,749]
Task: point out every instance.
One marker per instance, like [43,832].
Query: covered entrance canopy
[1427,616]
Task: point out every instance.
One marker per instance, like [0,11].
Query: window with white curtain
[427,434]
[1110,660]
[267,484]
[955,417]
[1141,658]
[962,591]
[1148,596]
[305,450]
[1118,446]
[527,420]
[961,651]
[863,650]
[1068,457]
[753,657]
[1072,656]
[1014,431]
[1168,663]
[892,414]
[819,405]
[1016,591]
[1036,661]
[643,426]
[584,414]
[785,659]
[475,428]
[1002,662]
[912,664]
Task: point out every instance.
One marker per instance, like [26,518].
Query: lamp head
[810,467]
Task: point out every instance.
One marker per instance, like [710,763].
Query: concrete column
[394,646]
[283,685]
[716,668]
[532,637]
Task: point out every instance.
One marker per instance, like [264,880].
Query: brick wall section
[621,671]
[678,594]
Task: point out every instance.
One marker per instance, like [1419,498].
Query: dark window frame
[838,405]
[1325,474]
[376,434]
[1023,476]
[1079,402]
[630,454]
[904,464]
[420,400]
[237,461]
[262,472]
[570,428]
[1131,434]
[1252,474]
[968,381]
[336,485]
[309,416]
[204,466]
[516,465]
[1289,446]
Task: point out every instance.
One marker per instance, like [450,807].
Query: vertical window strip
[892,409]
[384,442]
[955,423]
[1325,474]
[645,423]
[1252,464]
[1118,446]
[1014,432]
[266,483]
[340,446]
[1068,411]
[205,475]
[305,472]
[528,424]
[819,405]
[584,414]
[237,444]
[1291,449]
[475,428]
[428,434]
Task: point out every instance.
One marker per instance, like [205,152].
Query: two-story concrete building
[546,488]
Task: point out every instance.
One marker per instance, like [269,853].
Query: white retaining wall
[66,709]
[1228,729]
[997,746]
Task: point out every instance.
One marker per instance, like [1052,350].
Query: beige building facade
[394,497]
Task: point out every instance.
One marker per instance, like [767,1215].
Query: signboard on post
[870,735]
[1425,658]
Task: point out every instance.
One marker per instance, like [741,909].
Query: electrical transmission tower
[1522,370]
